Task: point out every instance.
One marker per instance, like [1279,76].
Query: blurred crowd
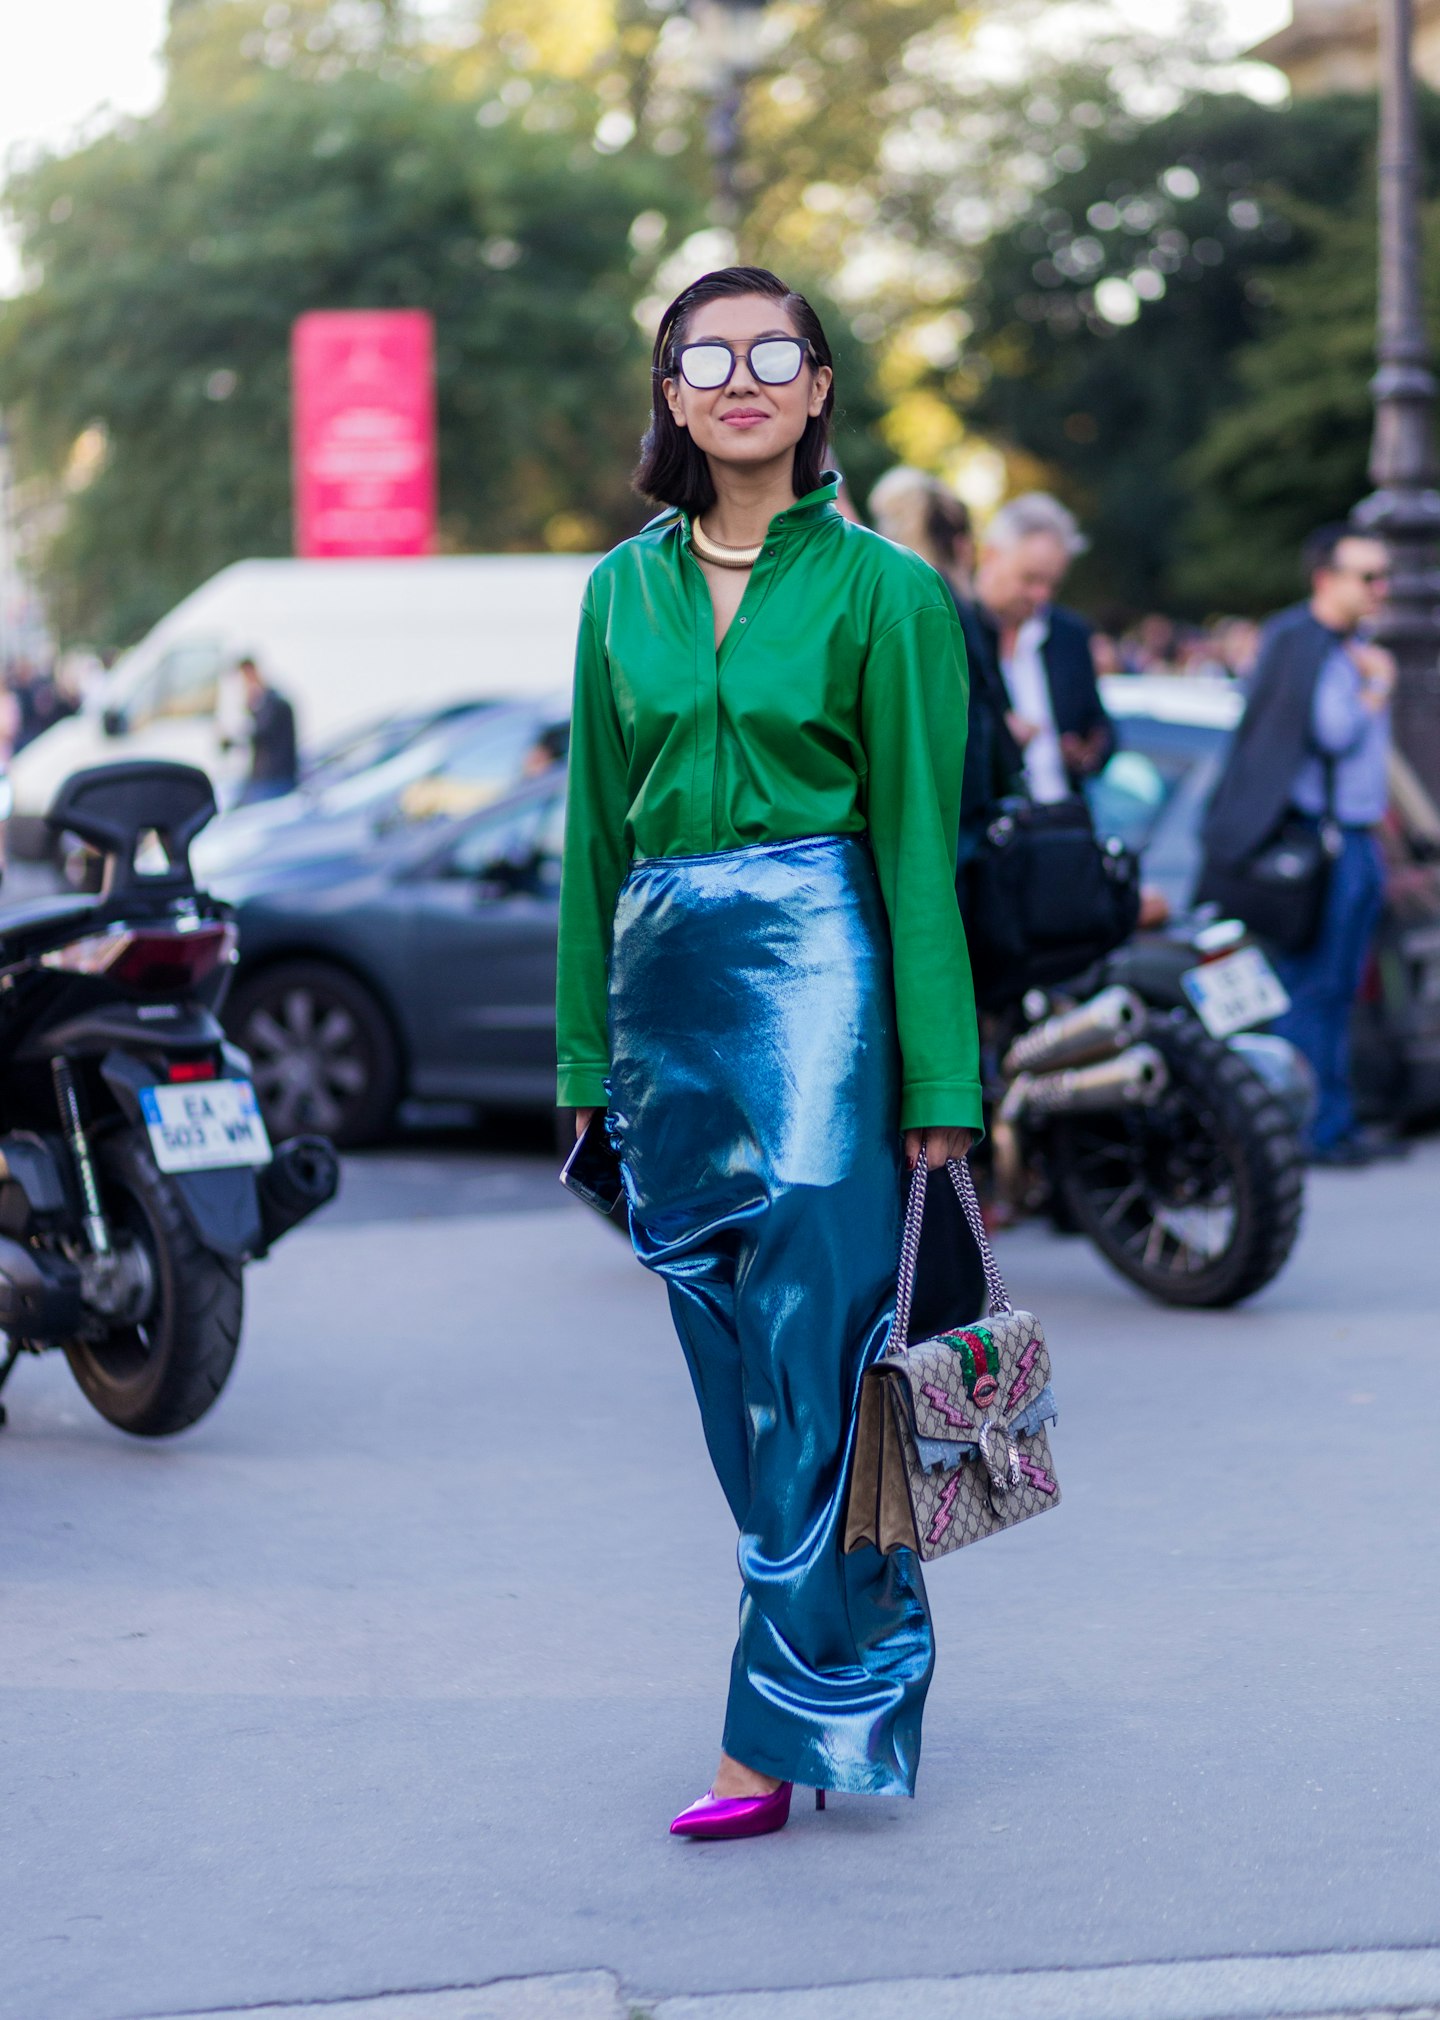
[923,513]
[35,695]
[1223,649]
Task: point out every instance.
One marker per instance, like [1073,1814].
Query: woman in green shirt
[763,978]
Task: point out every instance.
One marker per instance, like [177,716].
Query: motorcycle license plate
[205,1126]
[1235,993]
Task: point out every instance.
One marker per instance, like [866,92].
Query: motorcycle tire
[163,1373]
[1197,1199]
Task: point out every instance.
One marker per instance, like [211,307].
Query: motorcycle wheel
[161,1374]
[1198,1199]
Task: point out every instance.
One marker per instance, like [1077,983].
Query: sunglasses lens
[777,361]
[705,366]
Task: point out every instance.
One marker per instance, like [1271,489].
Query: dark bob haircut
[671,469]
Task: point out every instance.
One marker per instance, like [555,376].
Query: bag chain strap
[964,1184]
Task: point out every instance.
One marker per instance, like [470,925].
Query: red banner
[363,432]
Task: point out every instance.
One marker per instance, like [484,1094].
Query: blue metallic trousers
[755,1099]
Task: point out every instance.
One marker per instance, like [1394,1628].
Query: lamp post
[730,35]
[1404,508]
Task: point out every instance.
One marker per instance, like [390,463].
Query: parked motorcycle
[1142,1106]
[136,1178]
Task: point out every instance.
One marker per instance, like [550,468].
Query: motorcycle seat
[29,915]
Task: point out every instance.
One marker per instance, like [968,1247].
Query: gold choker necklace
[718,554]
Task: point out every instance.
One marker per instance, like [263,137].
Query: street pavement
[383,1683]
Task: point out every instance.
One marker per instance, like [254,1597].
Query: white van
[343,640]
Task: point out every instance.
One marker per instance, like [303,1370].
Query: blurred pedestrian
[1315,742]
[917,511]
[1056,714]
[274,755]
[39,702]
[767,748]
[549,749]
[1152,644]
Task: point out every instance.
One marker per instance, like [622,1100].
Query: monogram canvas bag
[951,1444]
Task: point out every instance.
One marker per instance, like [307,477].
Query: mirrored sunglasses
[774,361]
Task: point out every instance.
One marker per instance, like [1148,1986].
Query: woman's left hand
[940,1145]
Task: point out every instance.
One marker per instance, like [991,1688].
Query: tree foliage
[1179,336]
[171,260]
[1289,449]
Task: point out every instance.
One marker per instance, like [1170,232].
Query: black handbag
[1279,890]
[1043,897]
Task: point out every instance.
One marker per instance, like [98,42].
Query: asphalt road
[390,1675]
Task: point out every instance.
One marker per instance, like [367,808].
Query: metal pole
[1404,508]
[730,28]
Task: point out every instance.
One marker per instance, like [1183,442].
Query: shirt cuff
[582,1085]
[942,1104]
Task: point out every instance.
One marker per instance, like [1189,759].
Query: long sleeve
[595,863]
[913,721]
[1339,718]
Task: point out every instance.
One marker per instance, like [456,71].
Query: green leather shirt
[836,705]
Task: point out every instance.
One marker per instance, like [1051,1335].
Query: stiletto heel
[819,1799]
[734,1816]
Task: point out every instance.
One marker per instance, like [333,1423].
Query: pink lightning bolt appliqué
[943,1404]
[1022,1374]
[942,1513]
[1036,1473]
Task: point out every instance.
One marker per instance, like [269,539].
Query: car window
[526,839]
[474,769]
[1129,795]
[185,684]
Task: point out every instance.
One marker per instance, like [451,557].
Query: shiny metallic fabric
[754,1096]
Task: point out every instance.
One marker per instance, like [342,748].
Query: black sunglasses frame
[676,367]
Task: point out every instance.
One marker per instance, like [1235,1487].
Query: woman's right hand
[583,1118]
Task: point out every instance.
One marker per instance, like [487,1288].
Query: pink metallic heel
[738,1816]
[735,1816]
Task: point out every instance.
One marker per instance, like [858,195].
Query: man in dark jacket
[1315,742]
[274,759]
[1043,651]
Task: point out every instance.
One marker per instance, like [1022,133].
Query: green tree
[168,261]
[1289,449]
[1132,315]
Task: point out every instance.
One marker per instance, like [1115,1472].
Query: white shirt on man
[1029,689]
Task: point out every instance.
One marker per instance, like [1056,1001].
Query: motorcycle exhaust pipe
[303,1176]
[1137,1079]
[39,1293]
[1094,1030]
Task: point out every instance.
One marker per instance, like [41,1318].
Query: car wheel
[323,1053]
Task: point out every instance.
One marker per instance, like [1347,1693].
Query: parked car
[422,963]
[399,771]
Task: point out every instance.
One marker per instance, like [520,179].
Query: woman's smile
[745,417]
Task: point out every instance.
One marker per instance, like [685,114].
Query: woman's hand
[940,1145]
[583,1118]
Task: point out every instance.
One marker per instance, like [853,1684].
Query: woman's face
[746,421]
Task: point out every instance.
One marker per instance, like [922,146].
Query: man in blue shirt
[1316,740]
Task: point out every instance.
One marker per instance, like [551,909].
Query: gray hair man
[1043,650]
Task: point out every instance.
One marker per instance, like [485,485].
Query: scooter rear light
[192,1069]
[152,960]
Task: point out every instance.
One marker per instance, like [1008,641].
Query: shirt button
[744,620]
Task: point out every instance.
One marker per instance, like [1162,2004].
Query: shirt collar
[812,510]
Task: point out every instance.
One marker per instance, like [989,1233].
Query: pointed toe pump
[738,1816]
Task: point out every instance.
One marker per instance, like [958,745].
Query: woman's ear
[673,401]
[824,377]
